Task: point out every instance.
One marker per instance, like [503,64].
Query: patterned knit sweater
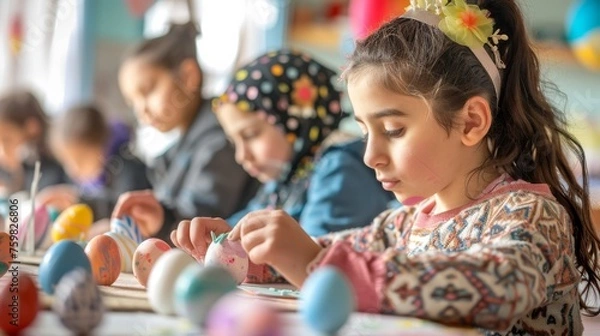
[504,263]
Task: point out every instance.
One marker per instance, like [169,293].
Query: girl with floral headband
[495,231]
[281,112]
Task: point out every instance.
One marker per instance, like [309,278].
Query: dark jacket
[198,176]
[123,172]
[51,171]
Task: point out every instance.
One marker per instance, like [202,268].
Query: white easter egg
[162,279]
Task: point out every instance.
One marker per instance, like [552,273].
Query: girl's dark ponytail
[531,141]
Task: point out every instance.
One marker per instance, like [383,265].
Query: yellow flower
[467,25]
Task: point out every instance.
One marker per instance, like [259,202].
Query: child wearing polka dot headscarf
[282,112]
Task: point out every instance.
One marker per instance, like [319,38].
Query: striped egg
[126,247]
[78,302]
[127,227]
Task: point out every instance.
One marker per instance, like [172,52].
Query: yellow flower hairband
[465,24]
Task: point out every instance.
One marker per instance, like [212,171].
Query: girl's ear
[476,120]
[190,75]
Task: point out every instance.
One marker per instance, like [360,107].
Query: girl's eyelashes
[252,133]
[394,133]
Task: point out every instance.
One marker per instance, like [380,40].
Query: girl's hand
[273,237]
[143,208]
[59,196]
[194,236]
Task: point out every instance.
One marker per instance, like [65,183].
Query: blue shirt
[340,193]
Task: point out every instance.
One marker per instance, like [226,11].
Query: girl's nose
[242,153]
[375,155]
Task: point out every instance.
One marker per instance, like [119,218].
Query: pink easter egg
[42,224]
[145,257]
[229,255]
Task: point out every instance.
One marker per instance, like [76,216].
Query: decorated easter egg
[53,213]
[5,255]
[78,302]
[126,248]
[105,259]
[60,259]
[42,225]
[198,288]
[127,227]
[238,315]
[72,223]
[228,254]
[162,279]
[326,300]
[19,301]
[145,257]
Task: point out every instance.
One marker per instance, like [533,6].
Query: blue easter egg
[326,300]
[60,259]
[78,302]
[127,227]
[198,288]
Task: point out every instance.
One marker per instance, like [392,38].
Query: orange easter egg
[105,259]
[5,255]
[19,301]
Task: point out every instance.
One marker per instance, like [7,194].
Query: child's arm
[384,232]
[517,266]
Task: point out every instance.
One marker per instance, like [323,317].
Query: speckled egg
[73,223]
[42,225]
[145,257]
[127,227]
[326,300]
[60,259]
[198,288]
[126,247]
[229,255]
[236,315]
[19,301]
[78,302]
[5,255]
[162,279]
[105,259]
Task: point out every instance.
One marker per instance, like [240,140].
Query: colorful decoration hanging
[137,8]
[15,34]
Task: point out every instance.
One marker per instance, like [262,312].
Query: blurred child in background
[161,79]
[23,141]
[97,158]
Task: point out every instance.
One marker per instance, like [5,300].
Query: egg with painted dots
[229,255]
[145,257]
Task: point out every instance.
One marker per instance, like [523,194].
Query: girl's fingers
[250,222]
[199,234]
[174,239]
[183,236]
